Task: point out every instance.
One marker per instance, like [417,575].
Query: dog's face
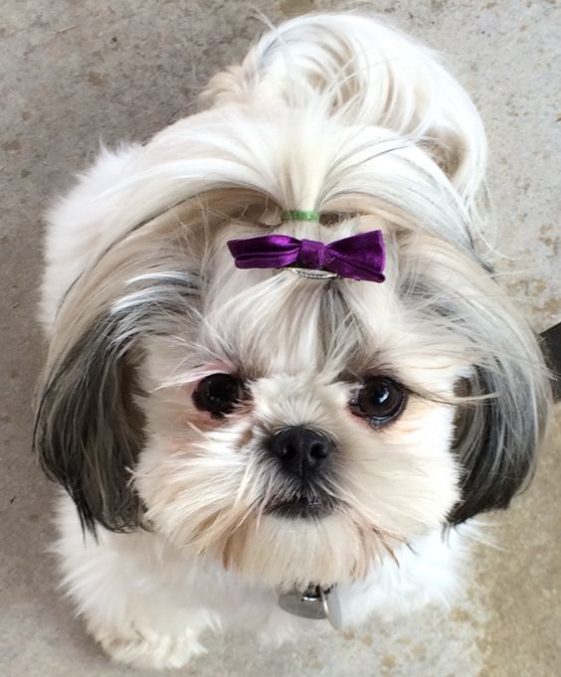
[300,429]
[297,430]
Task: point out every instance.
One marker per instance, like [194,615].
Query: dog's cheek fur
[404,478]
[190,483]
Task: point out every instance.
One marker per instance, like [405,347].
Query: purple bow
[359,257]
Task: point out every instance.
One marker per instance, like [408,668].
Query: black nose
[301,450]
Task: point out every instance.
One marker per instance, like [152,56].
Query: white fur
[147,603]
[336,113]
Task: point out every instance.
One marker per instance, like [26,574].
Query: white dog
[281,372]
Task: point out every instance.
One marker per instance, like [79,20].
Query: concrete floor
[75,73]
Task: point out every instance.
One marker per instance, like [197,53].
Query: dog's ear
[498,432]
[89,426]
[503,393]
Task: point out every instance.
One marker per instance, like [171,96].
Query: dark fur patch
[501,423]
[499,441]
[89,428]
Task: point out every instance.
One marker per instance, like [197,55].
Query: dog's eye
[379,400]
[218,394]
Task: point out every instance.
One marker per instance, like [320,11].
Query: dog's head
[296,429]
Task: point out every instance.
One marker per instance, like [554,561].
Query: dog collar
[315,603]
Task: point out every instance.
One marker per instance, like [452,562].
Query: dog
[282,378]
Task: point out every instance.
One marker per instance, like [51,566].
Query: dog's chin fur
[142,300]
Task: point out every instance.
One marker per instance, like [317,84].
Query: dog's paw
[144,648]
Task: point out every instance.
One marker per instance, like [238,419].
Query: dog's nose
[301,450]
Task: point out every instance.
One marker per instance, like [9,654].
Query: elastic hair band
[297,215]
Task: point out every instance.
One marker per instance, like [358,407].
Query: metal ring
[312,274]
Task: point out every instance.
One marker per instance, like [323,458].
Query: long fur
[343,115]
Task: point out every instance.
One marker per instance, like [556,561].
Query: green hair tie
[297,215]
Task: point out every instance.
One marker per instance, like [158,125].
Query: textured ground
[75,73]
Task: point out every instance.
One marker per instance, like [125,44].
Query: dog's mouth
[306,506]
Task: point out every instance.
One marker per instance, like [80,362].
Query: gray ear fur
[89,428]
[497,437]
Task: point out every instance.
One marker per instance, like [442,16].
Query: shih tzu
[281,372]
